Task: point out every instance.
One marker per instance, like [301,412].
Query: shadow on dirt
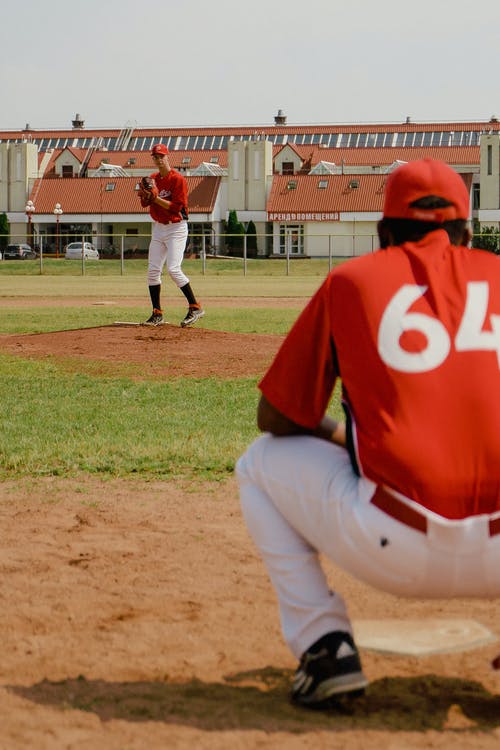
[259,700]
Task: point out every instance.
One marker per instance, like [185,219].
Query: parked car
[19,251]
[74,251]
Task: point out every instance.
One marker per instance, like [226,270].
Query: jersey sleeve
[179,195]
[300,381]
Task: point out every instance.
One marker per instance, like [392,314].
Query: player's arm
[270,419]
[178,197]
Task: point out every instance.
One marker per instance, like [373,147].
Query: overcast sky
[225,62]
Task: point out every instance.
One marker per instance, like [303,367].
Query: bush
[486,238]
[4,231]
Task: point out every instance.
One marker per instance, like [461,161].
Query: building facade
[309,190]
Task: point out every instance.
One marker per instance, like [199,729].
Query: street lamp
[30,210]
[57,212]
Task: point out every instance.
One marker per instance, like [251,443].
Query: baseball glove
[147,190]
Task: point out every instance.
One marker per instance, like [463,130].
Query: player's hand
[148,191]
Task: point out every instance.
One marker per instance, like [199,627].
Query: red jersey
[172,187]
[414,334]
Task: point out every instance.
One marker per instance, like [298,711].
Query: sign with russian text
[302,216]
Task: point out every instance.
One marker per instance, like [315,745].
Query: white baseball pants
[167,245]
[300,497]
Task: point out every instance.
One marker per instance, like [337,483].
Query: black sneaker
[329,669]
[156,319]
[194,313]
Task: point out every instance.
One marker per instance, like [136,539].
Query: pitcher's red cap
[159,148]
[419,179]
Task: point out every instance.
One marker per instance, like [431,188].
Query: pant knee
[154,277]
[178,276]
[248,465]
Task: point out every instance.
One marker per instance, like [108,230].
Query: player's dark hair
[397,231]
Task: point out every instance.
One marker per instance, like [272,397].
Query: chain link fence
[238,250]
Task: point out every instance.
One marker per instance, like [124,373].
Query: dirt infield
[137,615]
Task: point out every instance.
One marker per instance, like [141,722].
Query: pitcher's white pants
[300,497]
[168,242]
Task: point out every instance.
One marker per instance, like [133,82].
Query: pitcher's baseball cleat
[194,313]
[156,319]
[329,669]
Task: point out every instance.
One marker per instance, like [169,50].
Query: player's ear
[467,237]
[385,236]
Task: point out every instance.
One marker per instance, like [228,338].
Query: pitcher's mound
[166,350]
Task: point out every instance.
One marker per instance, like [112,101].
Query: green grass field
[59,423]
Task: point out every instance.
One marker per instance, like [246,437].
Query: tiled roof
[88,195]
[339,193]
[257,130]
[336,196]
[143,160]
[352,157]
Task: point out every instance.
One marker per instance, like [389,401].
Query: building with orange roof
[309,189]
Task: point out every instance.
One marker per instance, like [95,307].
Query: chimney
[78,122]
[280,118]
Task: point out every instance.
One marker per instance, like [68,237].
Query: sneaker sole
[192,322]
[353,684]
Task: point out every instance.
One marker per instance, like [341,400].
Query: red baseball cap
[159,148]
[419,179]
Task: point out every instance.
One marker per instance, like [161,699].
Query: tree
[486,238]
[235,231]
[4,231]
[251,238]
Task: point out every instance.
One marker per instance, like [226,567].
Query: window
[110,186]
[322,184]
[287,167]
[476,202]
[490,160]
[67,170]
